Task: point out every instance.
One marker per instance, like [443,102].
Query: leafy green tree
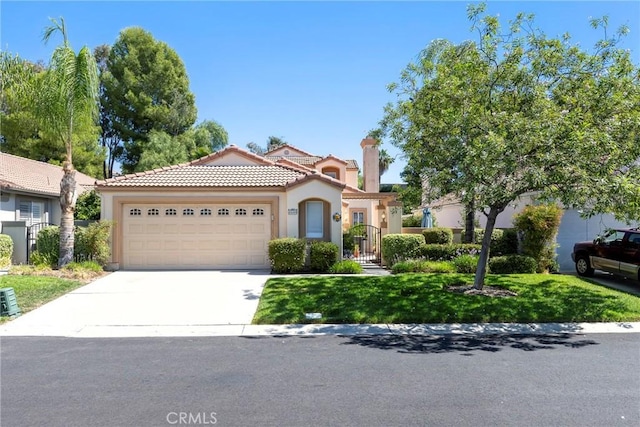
[66,97]
[109,138]
[146,88]
[218,137]
[24,134]
[273,142]
[88,206]
[162,150]
[517,112]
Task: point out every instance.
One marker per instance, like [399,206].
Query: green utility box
[8,302]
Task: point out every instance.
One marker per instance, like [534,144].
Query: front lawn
[420,298]
[34,291]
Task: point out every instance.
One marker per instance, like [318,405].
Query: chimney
[370,165]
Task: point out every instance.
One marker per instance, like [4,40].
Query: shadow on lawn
[420,344]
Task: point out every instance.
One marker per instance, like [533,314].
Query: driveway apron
[147,301]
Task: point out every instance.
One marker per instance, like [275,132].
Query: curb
[150,331]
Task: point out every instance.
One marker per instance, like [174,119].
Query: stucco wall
[314,190]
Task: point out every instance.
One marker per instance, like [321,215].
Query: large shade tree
[515,112]
[145,87]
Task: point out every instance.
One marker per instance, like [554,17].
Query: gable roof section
[219,155]
[331,157]
[304,158]
[316,177]
[290,147]
[31,176]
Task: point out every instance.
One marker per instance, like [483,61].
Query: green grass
[420,298]
[34,291]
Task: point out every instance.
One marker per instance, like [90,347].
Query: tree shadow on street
[467,344]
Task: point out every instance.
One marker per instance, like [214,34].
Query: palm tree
[67,96]
[385,161]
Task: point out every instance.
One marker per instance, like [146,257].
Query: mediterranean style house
[220,211]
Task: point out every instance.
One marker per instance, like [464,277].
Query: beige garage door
[217,236]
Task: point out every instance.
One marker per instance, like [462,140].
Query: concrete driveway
[149,303]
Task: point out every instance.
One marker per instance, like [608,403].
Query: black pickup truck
[617,251]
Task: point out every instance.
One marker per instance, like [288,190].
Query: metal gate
[362,244]
[32,236]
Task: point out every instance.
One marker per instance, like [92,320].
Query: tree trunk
[481,271]
[68,198]
[469,223]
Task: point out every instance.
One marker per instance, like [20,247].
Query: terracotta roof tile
[310,160]
[21,174]
[208,176]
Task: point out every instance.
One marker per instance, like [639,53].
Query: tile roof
[290,147]
[310,160]
[21,174]
[208,176]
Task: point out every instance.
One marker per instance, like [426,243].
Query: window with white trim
[241,212]
[258,212]
[30,211]
[205,212]
[153,212]
[314,218]
[170,212]
[357,217]
[135,212]
[223,212]
[188,212]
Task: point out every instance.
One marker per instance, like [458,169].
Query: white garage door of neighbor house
[185,236]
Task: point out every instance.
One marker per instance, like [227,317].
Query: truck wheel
[583,267]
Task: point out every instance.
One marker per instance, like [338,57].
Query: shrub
[507,244]
[412,221]
[84,266]
[348,242]
[346,266]
[503,241]
[466,263]
[512,264]
[422,266]
[287,255]
[47,247]
[448,252]
[6,250]
[323,255]
[92,242]
[438,235]
[539,227]
[39,259]
[399,247]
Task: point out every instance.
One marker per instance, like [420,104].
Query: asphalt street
[385,380]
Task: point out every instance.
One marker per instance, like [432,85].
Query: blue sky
[314,73]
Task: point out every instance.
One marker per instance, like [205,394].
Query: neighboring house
[220,211]
[29,194]
[449,212]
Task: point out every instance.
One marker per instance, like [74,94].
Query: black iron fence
[361,243]
[32,236]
